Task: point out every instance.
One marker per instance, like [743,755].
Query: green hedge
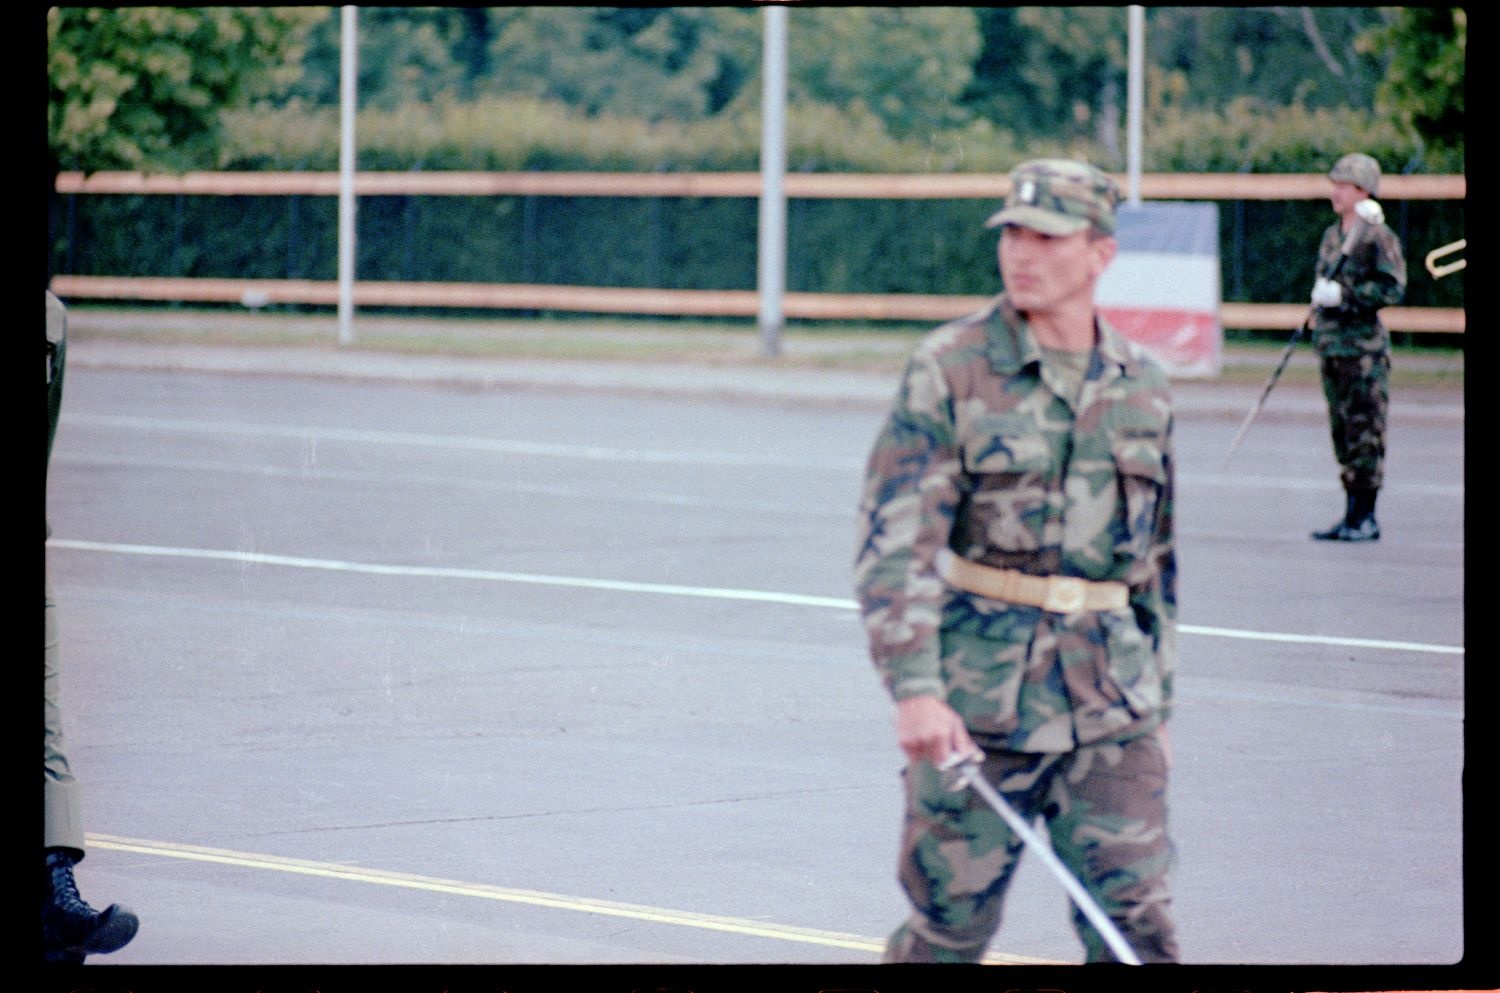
[514,133]
[857,246]
[834,246]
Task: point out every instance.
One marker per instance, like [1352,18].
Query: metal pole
[771,275]
[1135,90]
[349,48]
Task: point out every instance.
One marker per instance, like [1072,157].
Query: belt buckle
[1065,594]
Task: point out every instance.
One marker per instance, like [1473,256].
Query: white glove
[1370,212]
[1327,293]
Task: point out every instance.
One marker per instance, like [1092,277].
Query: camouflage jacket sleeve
[911,490]
[1157,603]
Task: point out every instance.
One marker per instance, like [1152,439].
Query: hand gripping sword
[966,768]
[1366,212]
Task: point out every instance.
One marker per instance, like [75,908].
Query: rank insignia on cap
[1059,197]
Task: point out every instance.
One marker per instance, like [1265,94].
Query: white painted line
[1316,639]
[439,572]
[627,586]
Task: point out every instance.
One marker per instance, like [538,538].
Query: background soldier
[1017,581]
[1353,346]
[71,928]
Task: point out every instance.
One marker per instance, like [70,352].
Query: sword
[1260,402]
[966,768]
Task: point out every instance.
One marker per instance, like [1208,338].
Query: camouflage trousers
[1105,811]
[1358,390]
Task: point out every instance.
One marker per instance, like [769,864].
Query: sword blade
[1286,355]
[969,773]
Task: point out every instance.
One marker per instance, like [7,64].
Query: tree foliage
[1424,85]
[1282,56]
[907,66]
[143,87]
[140,87]
[904,65]
[1056,71]
[407,55]
[654,63]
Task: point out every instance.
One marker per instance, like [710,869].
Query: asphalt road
[370,671]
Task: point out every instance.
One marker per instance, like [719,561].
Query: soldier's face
[1344,196]
[1045,272]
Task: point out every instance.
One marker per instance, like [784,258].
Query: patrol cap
[1059,196]
[1359,169]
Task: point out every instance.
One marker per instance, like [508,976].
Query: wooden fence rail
[730,303]
[800,185]
[607,300]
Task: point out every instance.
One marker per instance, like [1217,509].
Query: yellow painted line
[608,908]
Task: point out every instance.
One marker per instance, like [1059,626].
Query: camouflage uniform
[1354,349]
[984,453]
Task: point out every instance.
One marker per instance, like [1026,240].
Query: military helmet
[1359,169]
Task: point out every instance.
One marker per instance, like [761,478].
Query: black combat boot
[71,928]
[1362,526]
[1341,526]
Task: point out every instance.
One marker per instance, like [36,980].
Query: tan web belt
[1057,594]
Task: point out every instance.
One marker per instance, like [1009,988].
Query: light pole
[348,96]
[771,267]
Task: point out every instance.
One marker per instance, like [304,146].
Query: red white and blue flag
[1162,290]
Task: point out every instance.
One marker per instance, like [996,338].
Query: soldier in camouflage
[1353,345]
[1017,579]
[71,929]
